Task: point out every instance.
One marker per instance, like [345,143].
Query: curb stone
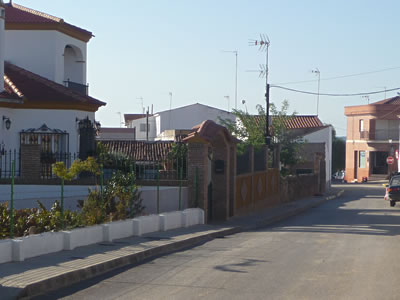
[72,277]
[69,278]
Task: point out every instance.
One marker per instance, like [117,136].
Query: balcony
[77,87]
[380,135]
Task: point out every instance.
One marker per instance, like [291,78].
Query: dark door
[355,164]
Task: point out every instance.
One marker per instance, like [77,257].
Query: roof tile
[18,14]
[20,83]
[140,150]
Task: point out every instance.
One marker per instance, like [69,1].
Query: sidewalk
[49,272]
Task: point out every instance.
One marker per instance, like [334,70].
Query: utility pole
[264,44]
[317,72]
[147,124]
[170,107]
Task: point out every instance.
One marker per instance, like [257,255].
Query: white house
[184,117]
[43,86]
[323,135]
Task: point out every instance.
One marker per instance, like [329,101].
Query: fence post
[180,188]
[158,190]
[62,204]
[12,200]
[132,189]
[101,189]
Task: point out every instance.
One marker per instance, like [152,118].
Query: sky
[149,49]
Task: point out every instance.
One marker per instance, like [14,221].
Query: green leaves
[78,166]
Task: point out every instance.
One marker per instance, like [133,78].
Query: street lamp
[7,122]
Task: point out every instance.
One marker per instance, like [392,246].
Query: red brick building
[372,136]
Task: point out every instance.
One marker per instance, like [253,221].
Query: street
[344,249]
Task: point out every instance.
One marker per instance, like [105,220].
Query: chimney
[2,43]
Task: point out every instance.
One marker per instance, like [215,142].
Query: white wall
[141,135]
[323,136]
[188,116]
[46,52]
[22,119]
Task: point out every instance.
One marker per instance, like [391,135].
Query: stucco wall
[324,136]
[189,116]
[141,135]
[46,52]
[22,119]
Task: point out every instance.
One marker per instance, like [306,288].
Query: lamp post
[317,72]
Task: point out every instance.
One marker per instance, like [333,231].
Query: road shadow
[343,216]
[236,268]
[83,256]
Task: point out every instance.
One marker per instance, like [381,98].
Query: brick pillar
[198,158]
[30,161]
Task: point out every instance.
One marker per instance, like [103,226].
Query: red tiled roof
[393,100]
[303,122]
[18,14]
[140,150]
[22,84]
[297,122]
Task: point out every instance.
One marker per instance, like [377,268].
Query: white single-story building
[185,117]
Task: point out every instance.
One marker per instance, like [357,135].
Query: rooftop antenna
[120,119]
[263,43]
[228,98]
[366,97]
[318,73]
[236,76]
[170,107]
[141,101]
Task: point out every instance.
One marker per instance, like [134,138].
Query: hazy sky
[151,48]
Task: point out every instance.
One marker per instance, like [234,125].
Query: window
[362,159]
[143,127]
[50,140]
[361,125]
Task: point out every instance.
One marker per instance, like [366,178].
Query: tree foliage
[338,152]
[250,130]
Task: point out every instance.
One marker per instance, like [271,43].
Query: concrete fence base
[50,242]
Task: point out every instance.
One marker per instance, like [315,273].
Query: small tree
[250,129]
[78,166]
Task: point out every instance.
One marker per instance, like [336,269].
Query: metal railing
[6,158]
[169,169]
[380,134]
[78,87]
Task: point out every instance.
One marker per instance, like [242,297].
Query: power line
[343,76]
[334,95]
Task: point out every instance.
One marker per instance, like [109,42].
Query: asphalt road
[347,248]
